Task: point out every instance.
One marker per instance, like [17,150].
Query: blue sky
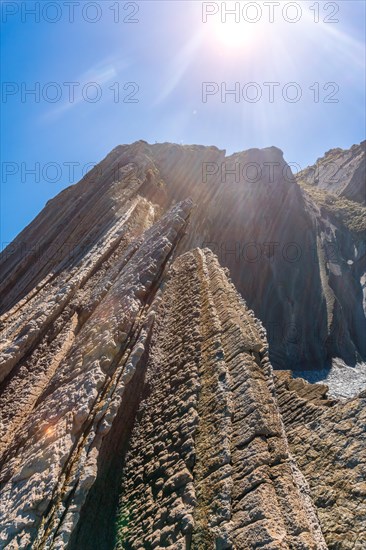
[164,60]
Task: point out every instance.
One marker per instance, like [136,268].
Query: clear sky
[107,73]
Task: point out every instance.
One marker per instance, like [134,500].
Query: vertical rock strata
[138,407]
[250,211]
[50,462]
[209,465]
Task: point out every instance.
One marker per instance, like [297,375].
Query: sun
[231,34]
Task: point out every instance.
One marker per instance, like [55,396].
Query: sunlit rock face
[342,172]
[301,271]
[138,403]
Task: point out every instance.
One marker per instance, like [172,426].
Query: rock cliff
[341,172]
[138,403]
[299,266]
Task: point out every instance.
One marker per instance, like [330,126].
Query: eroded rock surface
[209,465]
[51,436]
[340,171]
[138,405]
[329,443]
[249,210]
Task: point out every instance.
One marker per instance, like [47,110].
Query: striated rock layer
[301,270]
[209,465]
[138,406]
[329,444]
[51,436]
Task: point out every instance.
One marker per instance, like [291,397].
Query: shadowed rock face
[299,269]
[138,406]
[71,381]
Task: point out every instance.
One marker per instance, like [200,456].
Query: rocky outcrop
[208,464]
[52,434]
[138,405]
[249,211]
[341,172]
[335,192]
[328,443]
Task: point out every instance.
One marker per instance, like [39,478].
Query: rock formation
[328,441]
[341,172]
[138,405]
[274,238]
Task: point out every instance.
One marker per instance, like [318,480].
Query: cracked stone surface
[139,405]
[249,210]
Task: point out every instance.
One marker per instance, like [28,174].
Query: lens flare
[231,34]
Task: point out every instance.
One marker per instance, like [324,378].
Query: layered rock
[340,171]
[70,394]
[249,210]
[329,443]
[209,465]
[138,406]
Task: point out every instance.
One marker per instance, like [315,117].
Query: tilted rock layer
[298,267]
[138,406]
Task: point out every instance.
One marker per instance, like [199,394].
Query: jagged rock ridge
[138,405]
[249,210]
[342,172]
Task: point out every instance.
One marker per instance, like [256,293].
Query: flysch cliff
[138,405]
[298,266]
